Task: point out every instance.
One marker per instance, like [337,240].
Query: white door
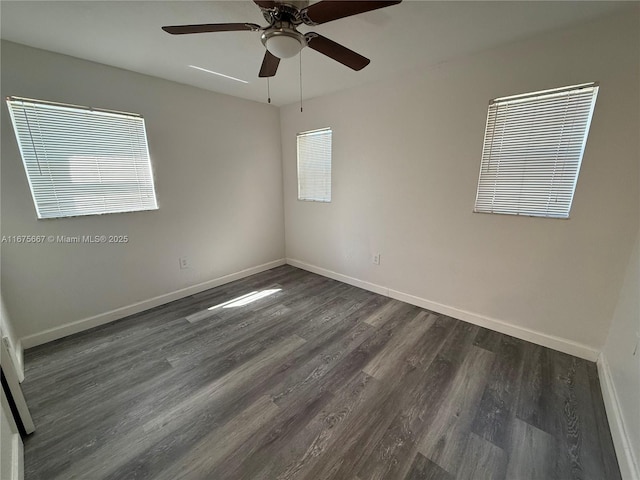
[11,454]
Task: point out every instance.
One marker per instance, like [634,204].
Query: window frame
[113,168]
[328,195]
[515,190]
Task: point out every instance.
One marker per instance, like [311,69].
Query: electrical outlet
[376,259]
[184,262]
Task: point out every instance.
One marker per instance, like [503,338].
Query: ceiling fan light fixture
[283,43]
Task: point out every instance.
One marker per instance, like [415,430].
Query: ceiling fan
[283,40]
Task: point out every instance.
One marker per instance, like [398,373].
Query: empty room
[293,240]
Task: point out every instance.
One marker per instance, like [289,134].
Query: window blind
[533,148]
[314,165]
[81,161]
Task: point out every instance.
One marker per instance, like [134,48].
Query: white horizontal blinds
[81,161]
[314,165]
[533,149]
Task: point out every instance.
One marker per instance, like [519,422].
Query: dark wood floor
[318,380]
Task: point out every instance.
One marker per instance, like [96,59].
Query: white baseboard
[551,341]
[627,460]
[557,343]
[118,313]
[372,287]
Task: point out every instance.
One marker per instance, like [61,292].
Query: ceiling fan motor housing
[286,11]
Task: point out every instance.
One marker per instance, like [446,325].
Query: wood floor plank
[496,411]
[488,339]
[383,314]
[591,441]
[348,367]
[457,346]
[447,435]
[278,389]
[83,357]
[87,345]
[576,457]
[207,342]
[531,453]
[603,434]
[385,362]
[163,397]
[207,337]
[126,345]
[260,450]
[60,404]
[321,379]
[335,355]
[424,469]
[360,439]
[277,380]
[351,364]
[203,457]
[392,456]
[310,445]
[535,401]
[580,444]
[103,461]
[482,459]
[328,315]
[197,352]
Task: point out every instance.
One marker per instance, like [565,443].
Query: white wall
[406,155]
[621,356]
[218,177]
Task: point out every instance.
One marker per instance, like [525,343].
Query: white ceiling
[397,39]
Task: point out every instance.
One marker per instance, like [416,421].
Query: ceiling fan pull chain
[268,91]
[300,80]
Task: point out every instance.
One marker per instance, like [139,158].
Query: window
[314,165]
[533,147]
[82,161]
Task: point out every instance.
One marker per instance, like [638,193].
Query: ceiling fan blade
[336,51]
[265,3]
[269,65]
[329,10]
[210,27]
